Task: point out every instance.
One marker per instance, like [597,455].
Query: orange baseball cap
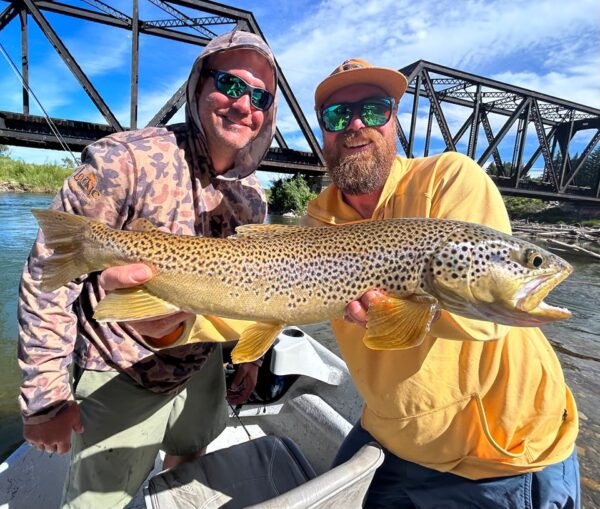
[357,70]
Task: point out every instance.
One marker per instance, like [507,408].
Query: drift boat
[275,452]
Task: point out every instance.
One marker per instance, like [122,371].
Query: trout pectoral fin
[206,329]
[132,304]
[196,329]
[255,341]
[394,324]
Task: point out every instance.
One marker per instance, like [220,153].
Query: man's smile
[229,122]
[353,145]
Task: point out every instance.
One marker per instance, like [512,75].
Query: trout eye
[534,259]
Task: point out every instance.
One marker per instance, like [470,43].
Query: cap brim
[393,82]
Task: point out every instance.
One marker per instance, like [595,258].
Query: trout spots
[310,274]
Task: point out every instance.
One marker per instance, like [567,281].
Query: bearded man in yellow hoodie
[479,415]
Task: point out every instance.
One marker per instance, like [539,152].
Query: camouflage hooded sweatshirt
[161,174]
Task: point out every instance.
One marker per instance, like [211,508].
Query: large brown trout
[277,275]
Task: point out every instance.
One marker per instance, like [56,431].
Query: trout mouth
[530,298]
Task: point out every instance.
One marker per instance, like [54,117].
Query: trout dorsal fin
[255,230]
[141,224]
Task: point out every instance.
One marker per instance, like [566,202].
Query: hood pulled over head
[250,156]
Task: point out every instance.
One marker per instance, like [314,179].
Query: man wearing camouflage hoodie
[128,399]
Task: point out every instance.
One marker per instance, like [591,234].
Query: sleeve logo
[87,183]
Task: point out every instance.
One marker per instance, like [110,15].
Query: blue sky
[544,45]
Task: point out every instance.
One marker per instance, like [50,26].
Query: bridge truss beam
[21,128]
[555,123]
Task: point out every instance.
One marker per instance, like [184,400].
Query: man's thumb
[78,427]
[77,424]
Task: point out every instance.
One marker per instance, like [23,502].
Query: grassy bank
[539,211]
[17,176]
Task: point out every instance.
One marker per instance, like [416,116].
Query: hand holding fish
[127,276]
[356,311]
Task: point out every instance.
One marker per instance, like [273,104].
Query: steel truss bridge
[523,137]
[554,123]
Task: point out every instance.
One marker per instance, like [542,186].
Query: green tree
[290,194]
[588,175]
[523,208]
[4,151]
[68,163]
[492,169]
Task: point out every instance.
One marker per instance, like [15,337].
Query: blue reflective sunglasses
[233,86]
[373,111]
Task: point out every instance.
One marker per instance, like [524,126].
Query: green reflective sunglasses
[373,111]
[234,87]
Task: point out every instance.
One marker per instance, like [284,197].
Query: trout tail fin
[67,234]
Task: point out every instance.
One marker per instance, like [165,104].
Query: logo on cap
[351,64]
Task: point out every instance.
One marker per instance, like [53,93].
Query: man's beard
[364,172]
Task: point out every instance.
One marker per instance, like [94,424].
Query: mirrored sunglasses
[373,111]
[234,87]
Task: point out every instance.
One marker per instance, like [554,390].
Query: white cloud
[577,83]
[297,141]
[266,178]
[542,46]
[105,50]
[50,91]
[479,37]
[150,102]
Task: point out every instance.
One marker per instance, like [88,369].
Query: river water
[577,340]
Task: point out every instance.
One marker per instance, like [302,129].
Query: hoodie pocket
[444,436]
[496,449]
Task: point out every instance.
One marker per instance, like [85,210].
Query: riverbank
[576,238]
[21,177]
[17,187]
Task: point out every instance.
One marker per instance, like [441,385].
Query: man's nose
[243,103]
[356,123]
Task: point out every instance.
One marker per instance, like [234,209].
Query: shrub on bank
[523,208]
[290,194]
[32,178]
[539,211]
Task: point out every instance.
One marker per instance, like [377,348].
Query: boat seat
[266,473]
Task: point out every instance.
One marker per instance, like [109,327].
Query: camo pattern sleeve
[123,177]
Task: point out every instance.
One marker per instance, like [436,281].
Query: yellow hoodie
[476,399]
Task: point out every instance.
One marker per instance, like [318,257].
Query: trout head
[487,275]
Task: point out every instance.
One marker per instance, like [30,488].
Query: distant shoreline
[17,187]
[22,177]
[11,187]
[560,216]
